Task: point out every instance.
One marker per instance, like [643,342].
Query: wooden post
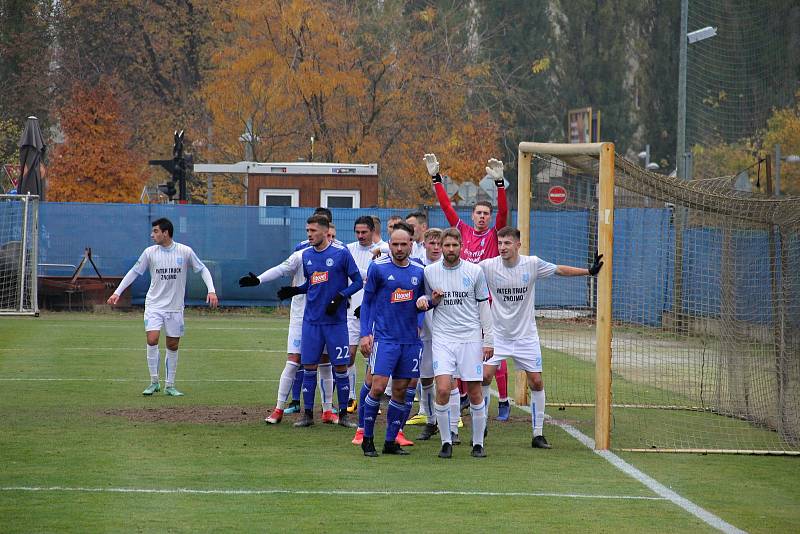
[524,226]
[605,246]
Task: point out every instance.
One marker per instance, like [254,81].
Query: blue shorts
[315,337]
[398,360]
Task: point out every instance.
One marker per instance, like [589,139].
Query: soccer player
[168,262]
[419,222]
[376,237]
[293,266]
[389,333]
[327,266]
[457,289]
[511,279]
[433,253]
[480,243]
[361,250]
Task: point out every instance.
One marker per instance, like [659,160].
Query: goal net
[19,243]
[704,325]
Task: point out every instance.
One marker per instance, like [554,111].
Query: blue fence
[233,240]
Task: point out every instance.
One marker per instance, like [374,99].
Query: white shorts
[426,365]
[353,330]
[526,353]
[464,360]
[171,321]
[293,340]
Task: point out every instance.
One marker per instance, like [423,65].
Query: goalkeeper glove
[249,280]
[433,167]
[495,170]
[287,292]
[357,312]
[595,268]
[333,305]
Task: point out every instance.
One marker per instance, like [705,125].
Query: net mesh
[706,309]
[18,252]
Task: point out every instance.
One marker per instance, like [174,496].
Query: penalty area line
[190,491]
[657,487]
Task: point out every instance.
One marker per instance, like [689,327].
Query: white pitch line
[22,379]
[190,349]
[325,492]
[190,326]
[657,487]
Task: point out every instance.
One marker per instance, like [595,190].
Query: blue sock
[342,390]
[309,388]
[370,414]
[394,419]
[297,385]
[410,394]
[362,395]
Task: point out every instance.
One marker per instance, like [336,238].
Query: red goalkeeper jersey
[475,246]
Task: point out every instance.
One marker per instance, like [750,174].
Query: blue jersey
[327,274]
[389,309]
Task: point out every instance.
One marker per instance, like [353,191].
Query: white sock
[426,402]
[351,376]
[285,383]
[153,357]
[537,412]
[455,410]
[325,372]
[486,397]
[442,412]
[172,366]
[388,390]
[478,413]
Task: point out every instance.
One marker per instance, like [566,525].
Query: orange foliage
[368,86]
[94,164]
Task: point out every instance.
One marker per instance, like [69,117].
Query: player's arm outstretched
[287,267]
[432,164]
[567,270]
[138,269]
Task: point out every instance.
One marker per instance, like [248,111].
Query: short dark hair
[367,221]
[324,211]
[508,231]
[451,232]
[405,227]
[419,216]
[376,220]
[483,203]
[320,220]
[165,225]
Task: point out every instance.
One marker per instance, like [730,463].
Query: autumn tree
[370,82]
[95,162]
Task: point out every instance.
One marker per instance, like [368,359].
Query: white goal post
[19,245]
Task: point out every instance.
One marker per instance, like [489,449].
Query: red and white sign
[402,295]
[557,195]
[318,277]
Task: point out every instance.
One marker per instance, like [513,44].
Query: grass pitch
[82,450]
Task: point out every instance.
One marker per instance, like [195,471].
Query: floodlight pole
[680,150]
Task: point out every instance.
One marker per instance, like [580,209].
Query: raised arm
[495,170]
[568,270]
[432,165]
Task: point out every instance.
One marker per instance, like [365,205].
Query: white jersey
[363,257]
[457,317]
[168,267]
[418,250]
[291,266]
[512,290]
[427,324]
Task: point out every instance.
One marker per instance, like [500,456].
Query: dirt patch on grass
[192,414]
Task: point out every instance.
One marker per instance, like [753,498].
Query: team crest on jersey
[483,241]
[319,277]
[414,280]
[525,278]
[467,281]
[329,262]
[179,260]
[402,295]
